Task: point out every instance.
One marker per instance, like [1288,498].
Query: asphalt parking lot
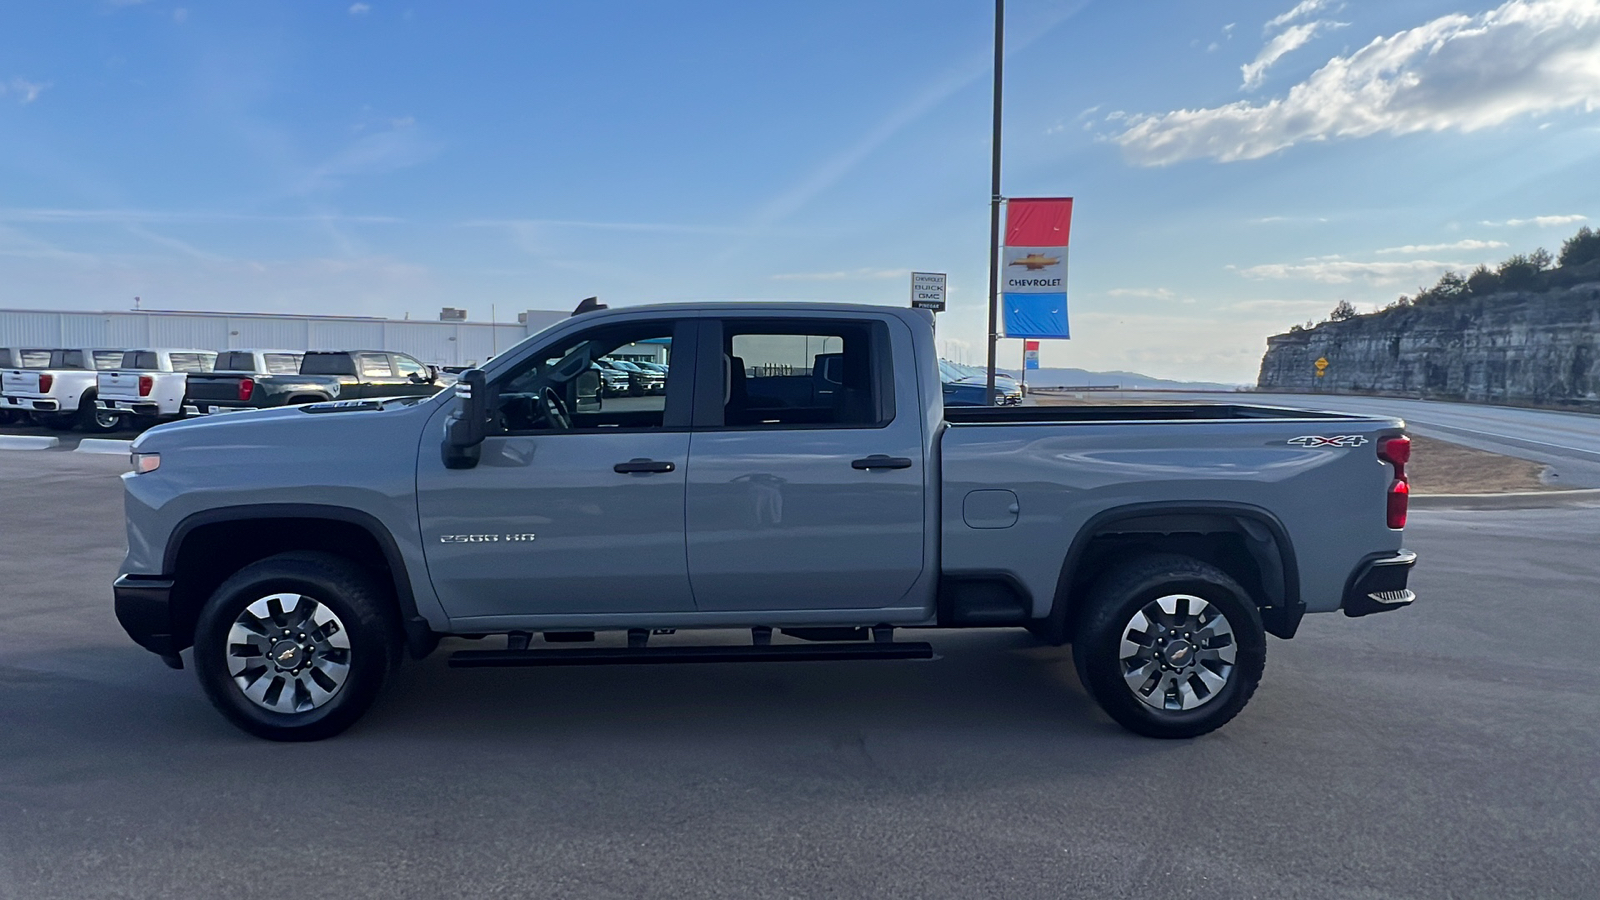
[1447,750]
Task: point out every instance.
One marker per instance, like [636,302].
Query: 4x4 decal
[1338,440]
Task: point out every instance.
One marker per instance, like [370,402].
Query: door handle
[642,465]
[879,461]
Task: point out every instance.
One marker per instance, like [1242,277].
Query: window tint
[107,359]
[327,364]
[375,365]
[137,359]
[193,362]
[805,374]
[593,395]
[72,359]
[408,367]
[282,363]
[236,362]
[35,359]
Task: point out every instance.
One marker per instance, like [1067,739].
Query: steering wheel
[555,409]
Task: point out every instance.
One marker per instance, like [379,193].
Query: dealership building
[450,341]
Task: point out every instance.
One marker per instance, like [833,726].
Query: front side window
[572,385]
[193,362]
[282,363]
[410,368]
[799,374]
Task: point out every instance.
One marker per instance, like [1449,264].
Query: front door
[806,474]
[572,510]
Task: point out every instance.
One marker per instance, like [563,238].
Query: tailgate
[19,381]
[214,387]
[118,386]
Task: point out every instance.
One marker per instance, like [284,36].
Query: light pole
[994,199]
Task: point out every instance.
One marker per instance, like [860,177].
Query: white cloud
[1541,221]
[359,9]
[1280,46]
[1344,271]
[24,90]
[843,276]
[1456,72]
[1301,10]
[1145,293]
[1468,244]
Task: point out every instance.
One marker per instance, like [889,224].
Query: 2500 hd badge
[485,538]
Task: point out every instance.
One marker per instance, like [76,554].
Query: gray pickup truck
[302,551]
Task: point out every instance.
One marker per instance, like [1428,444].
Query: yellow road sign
[1321,363]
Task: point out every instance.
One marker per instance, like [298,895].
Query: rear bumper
[144,607]
[1379,584]
[31,403]
[131,407]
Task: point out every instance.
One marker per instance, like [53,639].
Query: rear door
[806,485]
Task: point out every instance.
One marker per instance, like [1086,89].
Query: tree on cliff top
[1344,312]
[1581,248]
[1482,281]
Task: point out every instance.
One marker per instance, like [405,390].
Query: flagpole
[994,199]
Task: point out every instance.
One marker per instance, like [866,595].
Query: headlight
[145,462]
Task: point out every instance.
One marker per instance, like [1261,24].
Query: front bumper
[144,607]
[1379,584]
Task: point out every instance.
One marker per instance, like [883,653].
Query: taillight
[247,386]
[145,384]
[1397,452]
[45,381]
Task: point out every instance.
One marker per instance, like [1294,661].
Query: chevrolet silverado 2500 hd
[302,551]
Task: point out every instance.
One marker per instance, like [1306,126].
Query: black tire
[1128,590]
[8,416]
[92,420]
[363,608]
[56,421]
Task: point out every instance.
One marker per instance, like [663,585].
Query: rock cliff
[1520,348]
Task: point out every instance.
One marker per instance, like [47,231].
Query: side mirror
[467,428]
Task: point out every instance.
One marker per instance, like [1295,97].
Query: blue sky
[1238,166]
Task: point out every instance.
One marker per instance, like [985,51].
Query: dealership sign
[1033,271]
[927,291]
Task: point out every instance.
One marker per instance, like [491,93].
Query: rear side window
[193,362]
[34,359]
[282,363]
[107,359]
[375,365]
[806,373]
[327,364]
[236,362]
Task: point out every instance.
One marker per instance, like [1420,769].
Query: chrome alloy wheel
[1177,652]
[288,653]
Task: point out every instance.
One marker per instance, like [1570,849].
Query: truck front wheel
[1169,646]
[296,646]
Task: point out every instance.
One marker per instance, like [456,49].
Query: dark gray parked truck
[302,552]
[261,379]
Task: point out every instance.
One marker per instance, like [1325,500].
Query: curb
[1518,500]
[104,445]
[28,442]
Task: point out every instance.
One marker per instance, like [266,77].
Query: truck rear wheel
[1169,646]
[91,419]
[295,647]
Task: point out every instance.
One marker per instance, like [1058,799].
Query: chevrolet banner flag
[1033,272]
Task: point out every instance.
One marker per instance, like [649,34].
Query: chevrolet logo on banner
[1034,274]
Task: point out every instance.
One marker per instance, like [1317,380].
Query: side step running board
[603,656]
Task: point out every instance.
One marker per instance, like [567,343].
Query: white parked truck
[151,383]
[58,388]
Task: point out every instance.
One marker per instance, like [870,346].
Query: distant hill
[1128,381]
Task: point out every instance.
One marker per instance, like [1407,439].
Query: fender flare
[1281,620]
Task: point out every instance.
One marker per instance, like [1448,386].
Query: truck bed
[1001,415]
